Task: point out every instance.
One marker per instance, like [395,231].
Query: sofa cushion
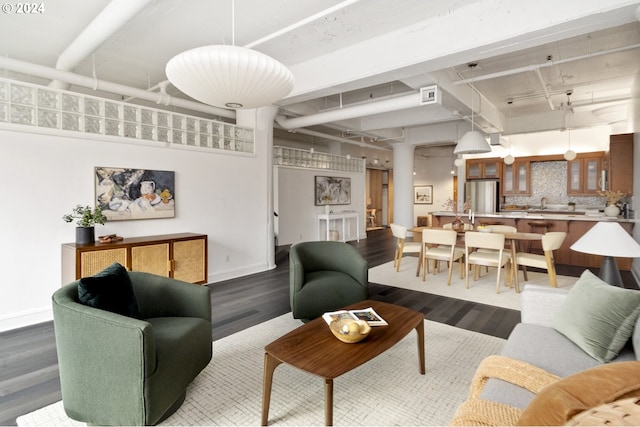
[540,346]
[110,290]
[561,401]
[598,317]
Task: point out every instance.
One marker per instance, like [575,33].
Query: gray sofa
[535,341]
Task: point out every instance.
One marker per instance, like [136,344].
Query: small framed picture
[423,195]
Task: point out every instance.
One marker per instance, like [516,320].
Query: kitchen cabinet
[181,256]
[620,166]
[584,174]
[483,168]
[516,178]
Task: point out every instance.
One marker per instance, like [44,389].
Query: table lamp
[610,240]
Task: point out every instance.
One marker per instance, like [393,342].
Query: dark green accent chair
[117,370]
[325,276]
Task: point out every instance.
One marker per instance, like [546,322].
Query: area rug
[388,390]
[482,291]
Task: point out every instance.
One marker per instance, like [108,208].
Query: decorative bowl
[350,331]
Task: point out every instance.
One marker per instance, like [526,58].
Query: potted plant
[572,206]
[86,218]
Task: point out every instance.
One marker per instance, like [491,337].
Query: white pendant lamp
[569,154]
[509,159]
[229,76]
[472,142]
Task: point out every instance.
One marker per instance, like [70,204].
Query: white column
[403,184]
[261,120]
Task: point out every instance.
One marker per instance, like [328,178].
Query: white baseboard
[220,276]
[25,318]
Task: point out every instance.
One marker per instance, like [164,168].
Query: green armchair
[325,276]
[119,370]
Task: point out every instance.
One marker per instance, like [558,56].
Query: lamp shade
[472,142]
[570,155]
[608,239]
[229,76]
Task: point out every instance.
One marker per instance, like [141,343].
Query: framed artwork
[423,195]
[331,190]
[126,194]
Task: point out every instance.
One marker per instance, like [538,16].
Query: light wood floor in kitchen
[28,362]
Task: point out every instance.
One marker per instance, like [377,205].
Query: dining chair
[551,241]
[440,245]
[402,246]
[475,240]
[499,228]
[371,218]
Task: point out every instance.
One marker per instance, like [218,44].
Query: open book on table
[367,314]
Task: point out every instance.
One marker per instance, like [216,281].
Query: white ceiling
[370,50]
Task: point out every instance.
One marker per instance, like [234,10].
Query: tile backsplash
[549,179]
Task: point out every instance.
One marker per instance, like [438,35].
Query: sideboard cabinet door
[182,256]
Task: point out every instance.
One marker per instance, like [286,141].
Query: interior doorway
[377,208]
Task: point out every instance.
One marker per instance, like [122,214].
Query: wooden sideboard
[181,256]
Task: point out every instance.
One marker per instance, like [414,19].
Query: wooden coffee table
[313,348]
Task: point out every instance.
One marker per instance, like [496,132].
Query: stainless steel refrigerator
[484,195]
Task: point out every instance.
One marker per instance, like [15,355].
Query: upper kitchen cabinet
[484,168]
[584,174]
[621,163]
[516,178]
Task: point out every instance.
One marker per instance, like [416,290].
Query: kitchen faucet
[543,203]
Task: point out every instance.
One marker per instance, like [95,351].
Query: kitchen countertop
[552,215]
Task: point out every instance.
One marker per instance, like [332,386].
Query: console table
[182,256]
[343,216]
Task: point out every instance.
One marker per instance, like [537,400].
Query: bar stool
[541,227]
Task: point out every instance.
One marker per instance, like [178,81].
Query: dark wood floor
[28,362]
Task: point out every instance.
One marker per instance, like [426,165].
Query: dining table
[514,238]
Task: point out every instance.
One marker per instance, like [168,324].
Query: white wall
[44,177]
[295,205]
[434,171]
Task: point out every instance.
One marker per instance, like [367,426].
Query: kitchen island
[575,224]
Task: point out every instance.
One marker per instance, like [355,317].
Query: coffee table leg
[328,402]
[270,364]
[420,331]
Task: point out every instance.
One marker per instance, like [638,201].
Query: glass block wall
[294,157]
[43,107]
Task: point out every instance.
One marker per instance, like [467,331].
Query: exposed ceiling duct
[95,84]
[106,24]
[361,110]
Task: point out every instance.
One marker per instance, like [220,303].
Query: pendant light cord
[472,65]
[233,22]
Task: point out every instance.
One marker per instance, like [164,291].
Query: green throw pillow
[110,290]
[597,317]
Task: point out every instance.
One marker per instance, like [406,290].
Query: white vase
[611,210]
